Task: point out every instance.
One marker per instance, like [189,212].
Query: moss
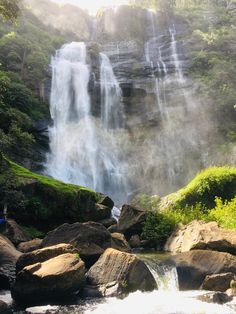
[204,188]
[42,202]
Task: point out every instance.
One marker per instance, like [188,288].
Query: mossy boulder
[204,188]
[45,203]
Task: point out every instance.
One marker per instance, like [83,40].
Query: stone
[199,235]
[131,220]
[44,254]
[194,266]
[15,233]
[106,201]
[119,273]
[8,258]
[119,242]
[216,297]
[218,282]
[231,292]
[56,278]
[4,308]
[29,246]
[135,242]
[108,222]
[91,239]
[112,228]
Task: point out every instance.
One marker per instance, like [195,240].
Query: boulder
[135,242]
[231,292]
[117,272]
[194,266]
[216,297]
[42,255]
[106,201]
[108,222]
[56,278]
[131,220]
[91,239]
[119,242]
[4,308]
[112,228]
[15,233]
[199,235]
[218,282]
[8,258]
[29,246]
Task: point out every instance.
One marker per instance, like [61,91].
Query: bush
[157,228]
[224,213]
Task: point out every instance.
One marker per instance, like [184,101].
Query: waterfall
[73,147]
[84,150]
[112,112]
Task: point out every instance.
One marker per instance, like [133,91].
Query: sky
[92,6]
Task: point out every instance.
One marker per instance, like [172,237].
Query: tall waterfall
[112,110]
[83,149]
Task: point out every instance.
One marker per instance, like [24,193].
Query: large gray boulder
[218,282]
[15,233]
[90,238]
[44,254]
[199,235]
[8,258]
[131,220]
[194,266]
[118,272]
[56,278]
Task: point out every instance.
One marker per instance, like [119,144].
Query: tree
[9,9]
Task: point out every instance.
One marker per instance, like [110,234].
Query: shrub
[224,213]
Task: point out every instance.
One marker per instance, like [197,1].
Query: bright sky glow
[92,6]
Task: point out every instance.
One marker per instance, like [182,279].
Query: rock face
[201,236]
[117,272]
[90,238]
[55,278]
[30,246]
[8,258]
[131,220]
[119,242]
[134,241]
[15,233]
[218,282]
[42,255]
[216,297]
[194,266]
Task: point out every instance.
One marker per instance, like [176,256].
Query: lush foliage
[9,9]
[210,196]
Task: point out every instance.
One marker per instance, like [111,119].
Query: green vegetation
[41,202]
[25,50]
[9,9]
[210,196]
[33,232]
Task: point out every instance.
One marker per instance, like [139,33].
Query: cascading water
[83,149]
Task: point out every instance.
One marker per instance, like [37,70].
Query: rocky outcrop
[201,236]
[134,241]
[56,278]
[91,239]
[218,282]
[131,220]
[4,308]
[15,233]
[29,246]
[117,272]
[215,297]
[44,254]
[8,258]
[119,242]
[194,266]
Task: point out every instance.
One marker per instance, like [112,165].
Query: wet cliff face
[167,130]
